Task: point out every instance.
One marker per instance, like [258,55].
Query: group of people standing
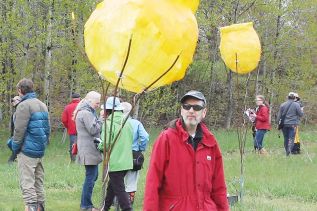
[288,119]
[186,167]
[91,131]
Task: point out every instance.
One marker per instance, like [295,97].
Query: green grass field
[272,182]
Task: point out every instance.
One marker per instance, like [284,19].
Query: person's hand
[16,148]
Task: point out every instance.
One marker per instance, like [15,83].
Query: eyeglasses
[195,107]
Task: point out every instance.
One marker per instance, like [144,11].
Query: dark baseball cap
[194,94]
[75,95]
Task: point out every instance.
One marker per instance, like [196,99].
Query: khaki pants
[31,175]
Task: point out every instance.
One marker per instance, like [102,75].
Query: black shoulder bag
[138,160]
[282,118]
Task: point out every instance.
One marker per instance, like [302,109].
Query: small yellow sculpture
[240,47]
[160,31]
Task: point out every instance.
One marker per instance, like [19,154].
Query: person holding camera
[88,127]
[261,123]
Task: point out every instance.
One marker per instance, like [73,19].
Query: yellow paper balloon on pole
[240,47]
[160,30]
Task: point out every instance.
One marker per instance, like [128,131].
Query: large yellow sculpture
[240,47]
[160,31]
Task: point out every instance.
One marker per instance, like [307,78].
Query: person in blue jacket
[140,142]
[29,141]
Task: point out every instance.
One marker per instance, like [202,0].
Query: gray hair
[90,97]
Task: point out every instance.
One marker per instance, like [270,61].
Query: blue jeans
[88,186]
[72,140]
[289,136]
[258,139]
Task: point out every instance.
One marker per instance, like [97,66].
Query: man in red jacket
[69,123]
[186,169]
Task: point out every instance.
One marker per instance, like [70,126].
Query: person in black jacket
[14,102]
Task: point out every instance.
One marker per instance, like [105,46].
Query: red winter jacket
[182,179]
[262,120]
[67,115]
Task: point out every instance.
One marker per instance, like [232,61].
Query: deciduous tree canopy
[41,41]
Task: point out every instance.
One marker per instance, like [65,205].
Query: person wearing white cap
[288,117]
[186,167]
[121,155]
[139,144]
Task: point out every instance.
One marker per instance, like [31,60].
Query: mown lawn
[272,182]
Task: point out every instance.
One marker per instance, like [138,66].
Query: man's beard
[191,122]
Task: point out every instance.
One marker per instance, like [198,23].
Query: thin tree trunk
[275,56]
[230,105]
[48,56]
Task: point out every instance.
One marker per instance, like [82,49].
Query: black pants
[116,187]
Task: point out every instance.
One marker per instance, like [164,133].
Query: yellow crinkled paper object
[160,30]
[240,40]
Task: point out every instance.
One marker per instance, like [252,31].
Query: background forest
[41,41]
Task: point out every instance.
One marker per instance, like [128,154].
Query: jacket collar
[86,106]
[117,117]
[75,101]
[29,95]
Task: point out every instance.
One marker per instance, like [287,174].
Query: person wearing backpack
[289,113]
